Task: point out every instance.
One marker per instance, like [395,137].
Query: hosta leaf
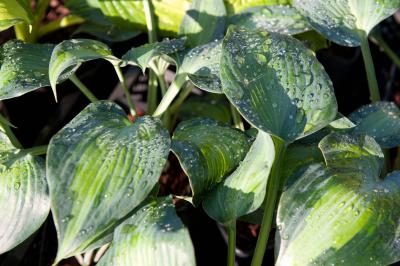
[244,190]
[276,83]
[214,106]
[24,67]
[313,40]
[346,22]
[70,54]
[142,55]
[280,18]
[381,121]
[205,160]
[204,21]
[339,218]
[99,168]
[11,13]
[235,6]
[201,65]
[153,236]
[24,200]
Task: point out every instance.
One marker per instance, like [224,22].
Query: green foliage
[13,12]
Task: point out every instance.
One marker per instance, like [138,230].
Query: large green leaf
[24,200]
[204,21]
[346,22]
[244,190]
[380,120]
[144,54]
[208,150]
[334,216]
[70,54]
[280,18]
[99,168]
[201,65]
[276,83]
[13,12]
[24,67]
[235,6]
[153,236]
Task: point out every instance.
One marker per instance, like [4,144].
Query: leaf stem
[172,91]
[380,41]
[83,88]
[369,68]
[231,228]
[59,23]
[237,120]
[126,89]
[22,32]
[152,92]
[5,125]
[273,185]
[38,150]
[150,21]
[163,84]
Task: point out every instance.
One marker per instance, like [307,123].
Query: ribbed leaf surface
[208,150]
[24,200]
[99,168]
[153,236]
[276,83]
[346,21]
[13,12]
[244,190]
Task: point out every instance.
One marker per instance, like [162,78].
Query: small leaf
[381,121]
[24,68]
[144,54]
[24,200]
[204,21]
[346,22]
[70,54]
[280,18]
[345,152]
[205,160]
[13,12]
[153,235]
[201,65]
[244,190]
[276,83]
[99,168]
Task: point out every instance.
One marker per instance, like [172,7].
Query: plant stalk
[83,88]
[5,125]
[163,84]
[126,89]
[59,23]
[369,68]
[379,40]
[22,32]
[38,150]
[152,92]
[172,91]
[231,228]
[237,120]
[273,186]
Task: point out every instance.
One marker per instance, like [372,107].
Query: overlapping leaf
[13,12]
[276,83]
[24,67]
[70,54]
[204,21]
[381,121]
[208,150]
[154,235]
[279,18]
[346,22]
[244,190]
[99,168]
[341,215]
[24,200]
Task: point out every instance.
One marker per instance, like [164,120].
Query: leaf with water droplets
[244,190]
[276,83]
[204,22]
[24,199]
[207,151]
[68,55]
[100,166]
[153,235]
[13,12]
[24,68]
[279,18]
[346,22]
[144,54]
[341,215]
[381,121]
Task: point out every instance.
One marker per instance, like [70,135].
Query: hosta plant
[262,139]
